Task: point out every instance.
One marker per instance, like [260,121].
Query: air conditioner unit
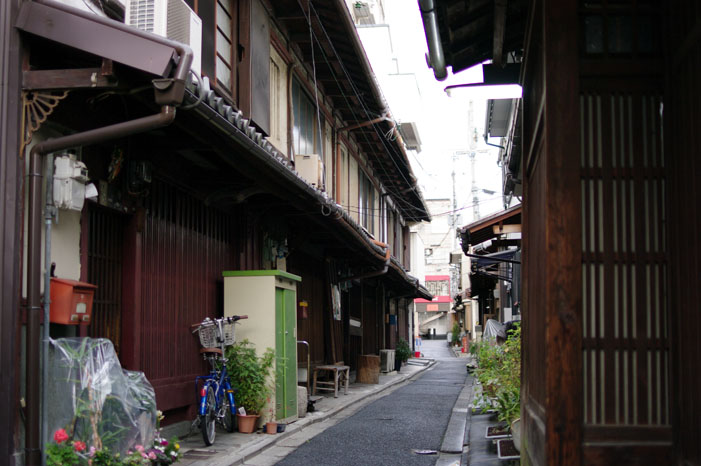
[386,360]
[310,168]
[168,18]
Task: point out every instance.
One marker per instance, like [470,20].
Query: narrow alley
[394,429]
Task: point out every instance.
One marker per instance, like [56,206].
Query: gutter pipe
[49,214]
[168,93]
[374,273]
[435,57]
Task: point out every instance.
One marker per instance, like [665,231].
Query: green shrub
[403,350]
[499,373]
[250,375]
[455,334]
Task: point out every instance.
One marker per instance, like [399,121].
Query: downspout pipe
[49,214]
[435,57]
[140,125]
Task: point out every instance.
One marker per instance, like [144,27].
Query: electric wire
[390,150]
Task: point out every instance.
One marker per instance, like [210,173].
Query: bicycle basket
[228,328]
[208,336]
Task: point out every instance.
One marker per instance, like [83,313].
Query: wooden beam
[501,229]
[499,27]
[67,79]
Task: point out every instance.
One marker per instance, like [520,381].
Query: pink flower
[164,443]
[152,455]
[60,436]
[144,455]
[139,448]
[79,446]
[92,451]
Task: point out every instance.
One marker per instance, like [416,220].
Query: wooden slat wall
[186,246]
[372,320]
[312,290]
[105,242]
[624,268]
[682,114]
[625,327]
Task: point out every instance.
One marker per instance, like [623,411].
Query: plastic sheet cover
[94,399]
[494,329]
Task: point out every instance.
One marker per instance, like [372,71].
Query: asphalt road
[389,430]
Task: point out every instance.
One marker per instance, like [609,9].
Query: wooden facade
[610,225]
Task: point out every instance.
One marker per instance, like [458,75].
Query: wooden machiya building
[281,155]
[611,208]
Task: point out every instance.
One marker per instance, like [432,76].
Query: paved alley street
[388,430]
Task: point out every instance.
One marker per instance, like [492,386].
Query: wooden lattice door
[105,255]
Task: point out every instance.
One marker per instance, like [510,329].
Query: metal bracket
[36,108]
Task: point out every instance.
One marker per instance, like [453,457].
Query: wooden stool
[341,373]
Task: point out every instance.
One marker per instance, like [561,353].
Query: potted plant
[499,374]
[250,376]
[401,353]
[270,424]
[455,335]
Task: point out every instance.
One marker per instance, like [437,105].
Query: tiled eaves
[205,101]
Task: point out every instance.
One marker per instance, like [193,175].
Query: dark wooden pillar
[552,361]
[682,115]
[131,288]
[10,252]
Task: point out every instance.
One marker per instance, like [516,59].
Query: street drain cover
[425,452]
[199,454]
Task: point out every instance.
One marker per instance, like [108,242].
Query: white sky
[442,121]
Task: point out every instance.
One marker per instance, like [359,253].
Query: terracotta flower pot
[247,423]
[271,427]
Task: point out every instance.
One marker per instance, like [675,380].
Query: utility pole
[454,209]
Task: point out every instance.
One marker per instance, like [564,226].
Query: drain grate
[199,454]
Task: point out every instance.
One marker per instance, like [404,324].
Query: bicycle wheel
[209,418]
[227,416]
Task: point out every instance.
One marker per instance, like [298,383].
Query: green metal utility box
[269,298]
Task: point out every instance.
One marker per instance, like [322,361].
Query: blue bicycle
[216,396]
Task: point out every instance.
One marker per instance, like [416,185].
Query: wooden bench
[340,374]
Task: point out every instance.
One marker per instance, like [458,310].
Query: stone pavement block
[448,460]
[293,440]
[279,451]
[263,459]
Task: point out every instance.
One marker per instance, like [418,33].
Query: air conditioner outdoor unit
[310,168]
[168,18]
[386,360]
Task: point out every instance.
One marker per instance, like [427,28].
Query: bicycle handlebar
[207,321]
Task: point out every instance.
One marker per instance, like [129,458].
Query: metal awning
[494,258]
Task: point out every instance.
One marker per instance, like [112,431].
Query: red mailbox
[71,301]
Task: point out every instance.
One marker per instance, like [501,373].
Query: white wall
[65,233]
